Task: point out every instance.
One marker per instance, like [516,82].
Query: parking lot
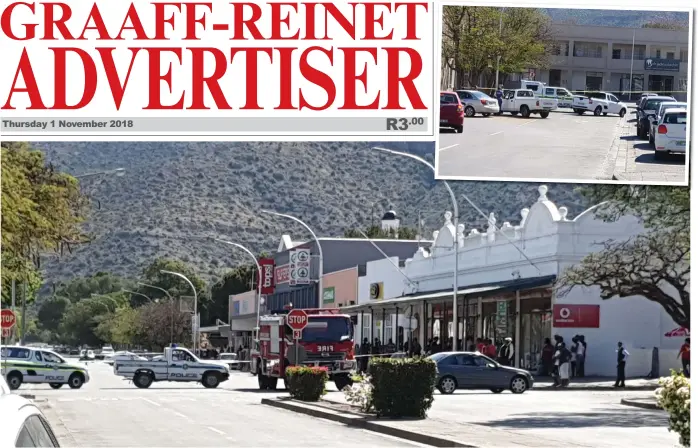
[564,146]
[109,411]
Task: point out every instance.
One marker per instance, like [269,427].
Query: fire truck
[327,341]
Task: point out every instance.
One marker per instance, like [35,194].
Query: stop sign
[297,319]
[7,319]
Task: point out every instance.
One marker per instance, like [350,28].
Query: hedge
[402,387]
[306,383]
[674,396]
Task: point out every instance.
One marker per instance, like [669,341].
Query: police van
[30,365]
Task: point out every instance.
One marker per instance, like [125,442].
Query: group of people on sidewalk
[563,362]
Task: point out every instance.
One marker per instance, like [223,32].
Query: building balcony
[588,62]
[624,65]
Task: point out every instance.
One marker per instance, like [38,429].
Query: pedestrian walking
[581,355]
[498,94]
[573,359]
[556,360]
[685,354]
[622,357]
[490,349]
[505,355]
[565,358]
[547,354]
[480,345]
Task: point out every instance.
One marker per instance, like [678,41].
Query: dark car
[473,370]
[647,110]
[452,112]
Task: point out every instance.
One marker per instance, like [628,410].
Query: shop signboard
[299,267]
[266,276]
[377,291]
[664,65]
[576,316]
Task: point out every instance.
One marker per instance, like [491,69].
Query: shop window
[616,53]
[684,55]
[670,55]
[658,55]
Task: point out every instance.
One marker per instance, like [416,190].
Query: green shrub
[674,396]
[306,383]
[402,387]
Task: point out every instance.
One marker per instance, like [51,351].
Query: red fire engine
[327,341]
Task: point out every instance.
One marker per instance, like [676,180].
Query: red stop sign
[297,319]
[7,319]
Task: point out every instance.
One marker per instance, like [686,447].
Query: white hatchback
[671,133]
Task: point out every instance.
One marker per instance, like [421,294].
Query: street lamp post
[118,171]
[259,279]
[319,249]
[455,237]
[496,81]
[171,306]
[196,306]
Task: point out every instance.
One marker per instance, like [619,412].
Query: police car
[23,424]
[31,365]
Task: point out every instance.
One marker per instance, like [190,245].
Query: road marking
[448,147]
[500,132]
[217,431]
[151,402]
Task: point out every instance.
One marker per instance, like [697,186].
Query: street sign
[297,319]
[7,319]
[297,334]
[6,332]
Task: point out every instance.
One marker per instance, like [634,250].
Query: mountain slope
[607,17]
[173,194]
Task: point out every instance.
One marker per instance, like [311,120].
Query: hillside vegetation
[606,17]
[174,196]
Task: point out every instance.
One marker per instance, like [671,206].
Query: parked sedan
[476,102]
[473,370]
[648,112]
[231,360]
[451,114]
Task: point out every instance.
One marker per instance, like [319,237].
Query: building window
[366,324]
[616,53]
[684,55]
[588,50]
[639,53]
[388,329]
[658,55]
[670,55]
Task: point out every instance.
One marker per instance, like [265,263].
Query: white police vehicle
[30,365]
[23,423]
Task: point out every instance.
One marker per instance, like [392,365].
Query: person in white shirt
[622,356]
[581,355]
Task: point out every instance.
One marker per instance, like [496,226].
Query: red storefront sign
[266,276]
[576,316]
[282,274]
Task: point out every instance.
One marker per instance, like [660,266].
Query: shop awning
[243,323]
[481,290]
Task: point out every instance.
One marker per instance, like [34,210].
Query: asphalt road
[110,412]
[563,146]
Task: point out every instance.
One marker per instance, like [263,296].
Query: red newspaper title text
[155,55]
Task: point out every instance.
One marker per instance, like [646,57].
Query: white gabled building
[506,283]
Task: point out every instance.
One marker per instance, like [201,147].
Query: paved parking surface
[564,146]
[110,412]
[636,162]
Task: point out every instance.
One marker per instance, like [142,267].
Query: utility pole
[24,310]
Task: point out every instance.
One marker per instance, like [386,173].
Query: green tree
[42,211]
[176,286]
[376,232]
[79,325]
[100,283]
[654,265]
[51,313]
[472,41]
[121,328]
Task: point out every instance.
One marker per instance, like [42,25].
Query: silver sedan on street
[476,102]
[473,370]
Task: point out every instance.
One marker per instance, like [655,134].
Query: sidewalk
[635,160]
[597,383]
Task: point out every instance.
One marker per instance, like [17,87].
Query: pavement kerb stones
[360,422]
[642,404]
[581,387]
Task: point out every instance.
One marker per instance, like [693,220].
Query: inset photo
[564,95]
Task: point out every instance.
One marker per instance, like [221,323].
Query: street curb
[639,404]
[594,388]
[361,422]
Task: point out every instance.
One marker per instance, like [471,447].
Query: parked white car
[600,103]
[663,107]
[476,102]
[525,102]
[23,423]
[672,133]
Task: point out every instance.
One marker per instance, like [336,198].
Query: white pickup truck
[600,103]
[178,364]
[525,102]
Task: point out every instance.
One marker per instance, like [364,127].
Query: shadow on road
[669,159]
[156,389]
[258,391]
[602,418]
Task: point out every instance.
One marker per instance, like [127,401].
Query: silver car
[473,370]
[476,102]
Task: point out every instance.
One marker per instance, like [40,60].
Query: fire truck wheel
[342,381]
[262,381]
[272,382]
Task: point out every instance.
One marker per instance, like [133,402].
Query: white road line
[179,414]
[500,132]
[217,431]
[448,147]
[151,402]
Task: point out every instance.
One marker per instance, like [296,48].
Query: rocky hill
[173,194]
[606,17]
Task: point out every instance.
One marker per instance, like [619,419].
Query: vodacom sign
[576,316]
